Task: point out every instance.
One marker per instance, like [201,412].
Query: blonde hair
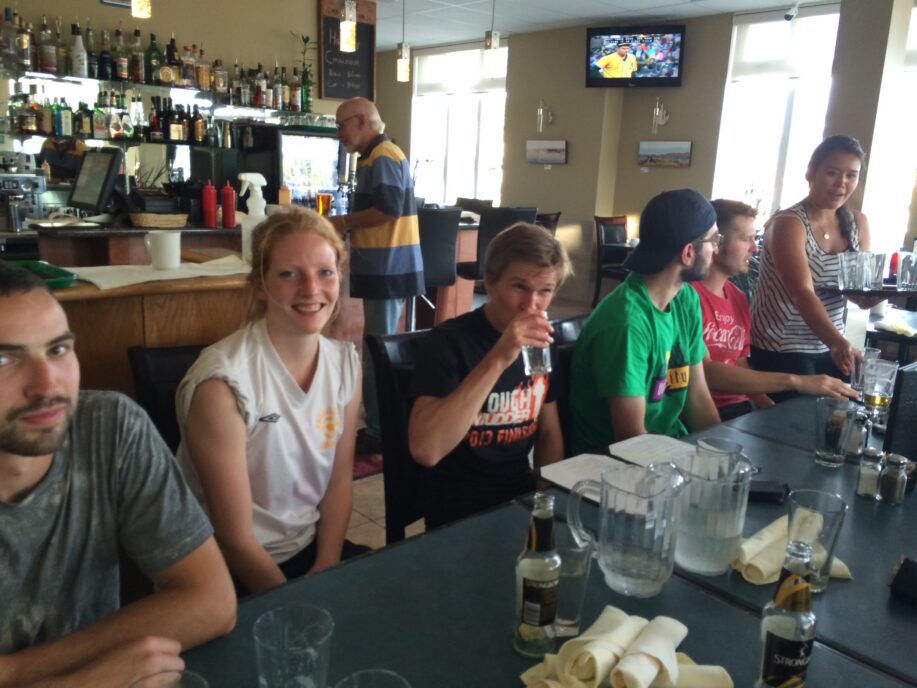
[287,222]
[526,243]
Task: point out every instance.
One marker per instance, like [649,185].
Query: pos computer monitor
[95,180]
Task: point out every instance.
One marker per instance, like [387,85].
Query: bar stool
[438,234]
[611,250]
[493,221]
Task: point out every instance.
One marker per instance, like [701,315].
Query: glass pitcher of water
[638,525]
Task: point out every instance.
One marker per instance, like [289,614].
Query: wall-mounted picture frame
[546,152]
[664,154]
[123,4]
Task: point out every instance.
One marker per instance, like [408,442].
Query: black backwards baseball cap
[668,222]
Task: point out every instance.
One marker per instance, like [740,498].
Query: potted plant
[306,50]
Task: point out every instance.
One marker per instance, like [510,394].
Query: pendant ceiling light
[142,9]
[403,64]
[349,26]
[492,38]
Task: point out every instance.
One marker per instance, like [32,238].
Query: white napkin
[897,327]
[651,657]
[586,660]
[761,556]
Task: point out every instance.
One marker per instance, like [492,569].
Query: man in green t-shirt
[637,367]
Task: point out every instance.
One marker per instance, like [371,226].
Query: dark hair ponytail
[839,144]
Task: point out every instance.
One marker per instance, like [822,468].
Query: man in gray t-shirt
[82,476]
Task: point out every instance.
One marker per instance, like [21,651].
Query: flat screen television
[635,56]
[95,179]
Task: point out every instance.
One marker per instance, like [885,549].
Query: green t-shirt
[630,348]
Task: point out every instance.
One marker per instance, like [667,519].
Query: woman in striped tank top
[797,313]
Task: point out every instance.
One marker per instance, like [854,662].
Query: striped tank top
[776,325]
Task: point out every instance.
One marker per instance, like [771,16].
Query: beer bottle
[788,624]
[537,579]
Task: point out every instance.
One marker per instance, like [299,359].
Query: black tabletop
[439,610]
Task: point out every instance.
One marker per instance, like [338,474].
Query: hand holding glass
[535,359]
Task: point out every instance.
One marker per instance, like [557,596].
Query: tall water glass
[848,276]
[292,646]
[815,519]
[834,421]
[872,269]
[575,562]
[537,360]
[907,271]
[868,353]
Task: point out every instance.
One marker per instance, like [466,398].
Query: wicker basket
[166,220]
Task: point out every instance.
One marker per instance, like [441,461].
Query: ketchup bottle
[228,201]
[209,205]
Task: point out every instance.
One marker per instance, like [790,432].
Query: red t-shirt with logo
[727,323]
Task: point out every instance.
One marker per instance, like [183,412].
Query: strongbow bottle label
[785,661]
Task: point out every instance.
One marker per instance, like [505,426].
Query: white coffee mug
[165,248]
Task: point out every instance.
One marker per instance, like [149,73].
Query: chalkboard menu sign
[346,75]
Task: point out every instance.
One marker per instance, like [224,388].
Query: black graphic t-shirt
[490,465]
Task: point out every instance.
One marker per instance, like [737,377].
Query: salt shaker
[859,434]
[870,468]
[893,479]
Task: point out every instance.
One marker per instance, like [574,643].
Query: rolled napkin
[651,657]
[585,661]
[761,556]
[901,328]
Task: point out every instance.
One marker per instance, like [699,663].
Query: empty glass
[638,525]
[575,562]
[815,519]
[873,269]
[859,366]
[907,271]
[848,276]
[292,646]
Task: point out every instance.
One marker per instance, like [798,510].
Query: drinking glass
[869,354]
[872,267]
[907,270]
[575,562]
[848,276]
[834,420]
[171,679]
[878,386]
[815,519]
[323,203]
[373,678]
[536,360]
[292,646]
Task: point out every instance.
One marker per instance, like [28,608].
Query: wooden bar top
[85,291]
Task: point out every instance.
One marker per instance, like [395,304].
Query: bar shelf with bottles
[186,88]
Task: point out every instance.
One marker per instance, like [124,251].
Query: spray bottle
[251,181]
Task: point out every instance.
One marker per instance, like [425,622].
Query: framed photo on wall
[664,154]
[546,152]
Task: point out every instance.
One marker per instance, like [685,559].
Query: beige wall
[251,32]
[393,99]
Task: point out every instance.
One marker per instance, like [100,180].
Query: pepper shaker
[893,479]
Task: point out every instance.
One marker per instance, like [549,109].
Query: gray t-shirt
[113,483]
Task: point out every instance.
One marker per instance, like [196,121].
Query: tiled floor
[367,522]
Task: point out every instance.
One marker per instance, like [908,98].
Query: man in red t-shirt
[735,387]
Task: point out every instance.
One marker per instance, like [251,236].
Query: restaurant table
[439,609]
[876,337]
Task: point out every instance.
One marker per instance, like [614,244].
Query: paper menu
[570,471]
[646,449]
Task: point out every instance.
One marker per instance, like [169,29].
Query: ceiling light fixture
[348,38]
[403,64]
[492,38]
[142,9]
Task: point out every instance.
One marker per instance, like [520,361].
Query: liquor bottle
[203,73]
[137,64]
[62,44]
[220,78]
[115,127]
[154,129]
[277,87]
[106,66]
[100,118]
[189,63]
[33,55]
[45,116]
[79,58]
[537,579]
[127,121]
[152,61]
[120,57]
[295,85]
[198,127]
[788,624]
[138,119]
[47,48]
[66,118]
[28,112]
[56,127]
[8,52]
[213,135]
[92,57]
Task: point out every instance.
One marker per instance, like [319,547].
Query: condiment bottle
[893,479]
[228,201]
[870,468]
[209,205]
[859,434]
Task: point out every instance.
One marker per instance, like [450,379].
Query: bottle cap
[895,460]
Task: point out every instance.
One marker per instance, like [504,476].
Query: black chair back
[611,250]
[548,221]
[438,231]
[419,202]
[473,205]
[493,221]
[566,332]
[157,374]
[900,437]
[393,358]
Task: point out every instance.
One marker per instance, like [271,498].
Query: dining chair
[404,480]
[548,221]
[566,332]
[157,374]
[611,250]
[900,437]
[438,235]
[473,205]
[493,221]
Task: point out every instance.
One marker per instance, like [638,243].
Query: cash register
[94,191]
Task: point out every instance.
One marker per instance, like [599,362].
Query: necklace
[816,225]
